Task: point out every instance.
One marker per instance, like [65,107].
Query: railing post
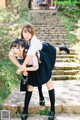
[51,3]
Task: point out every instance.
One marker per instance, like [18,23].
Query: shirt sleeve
[35,45]
[35,61]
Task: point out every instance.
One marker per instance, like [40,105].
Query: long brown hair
[30,28]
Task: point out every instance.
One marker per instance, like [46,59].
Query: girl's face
[17,51]
[26,35]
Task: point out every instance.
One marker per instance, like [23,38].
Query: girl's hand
[18,72]
[21,69]
[25,73]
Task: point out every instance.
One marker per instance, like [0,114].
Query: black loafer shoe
[66,50]
[24,116]
[42,102]
[51,116]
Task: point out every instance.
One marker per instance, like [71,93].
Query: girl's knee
[49,85]
[30,88]
[57,50]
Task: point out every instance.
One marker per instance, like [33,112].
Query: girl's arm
[27,69]
[31,68]
[35,45]
[14,60]
[34,66]
[27,59]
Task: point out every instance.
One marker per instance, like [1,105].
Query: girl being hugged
[47,57]
[18,50]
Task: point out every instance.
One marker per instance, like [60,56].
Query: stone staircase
[49,28]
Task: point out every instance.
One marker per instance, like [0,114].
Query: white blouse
[35,45]
[34,62]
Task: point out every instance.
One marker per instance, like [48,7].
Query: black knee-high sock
[26,101]
[52,99]
[40,92]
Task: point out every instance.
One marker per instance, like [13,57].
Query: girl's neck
[28,41]
[21,55]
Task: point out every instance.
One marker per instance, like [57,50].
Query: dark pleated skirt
[50,52]
[44,72]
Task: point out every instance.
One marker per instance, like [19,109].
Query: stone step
[52,25]
[66,93]
[65,72]
[46,21]
[51,34]
[53,29]
[65,60]
[65,77]
[54,43]
[67,56]
[59,116]
[39,18]
[57,42]
[40,25]
[50,29]
[62,116]
[71,53]
[42,11]
[66,66]
[54,39]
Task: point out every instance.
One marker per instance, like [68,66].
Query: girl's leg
[62,48]
[26,102]
[52,100]
[41,97]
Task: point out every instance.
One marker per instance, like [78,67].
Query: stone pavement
[67,98]
[58,117]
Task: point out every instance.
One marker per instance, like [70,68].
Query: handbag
[24,84]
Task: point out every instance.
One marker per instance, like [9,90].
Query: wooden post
[3,3]
[51,3]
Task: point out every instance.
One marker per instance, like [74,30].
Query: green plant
[8,78]
[44,112]
[10,27]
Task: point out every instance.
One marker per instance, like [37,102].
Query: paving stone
[58,117]
[66,93]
